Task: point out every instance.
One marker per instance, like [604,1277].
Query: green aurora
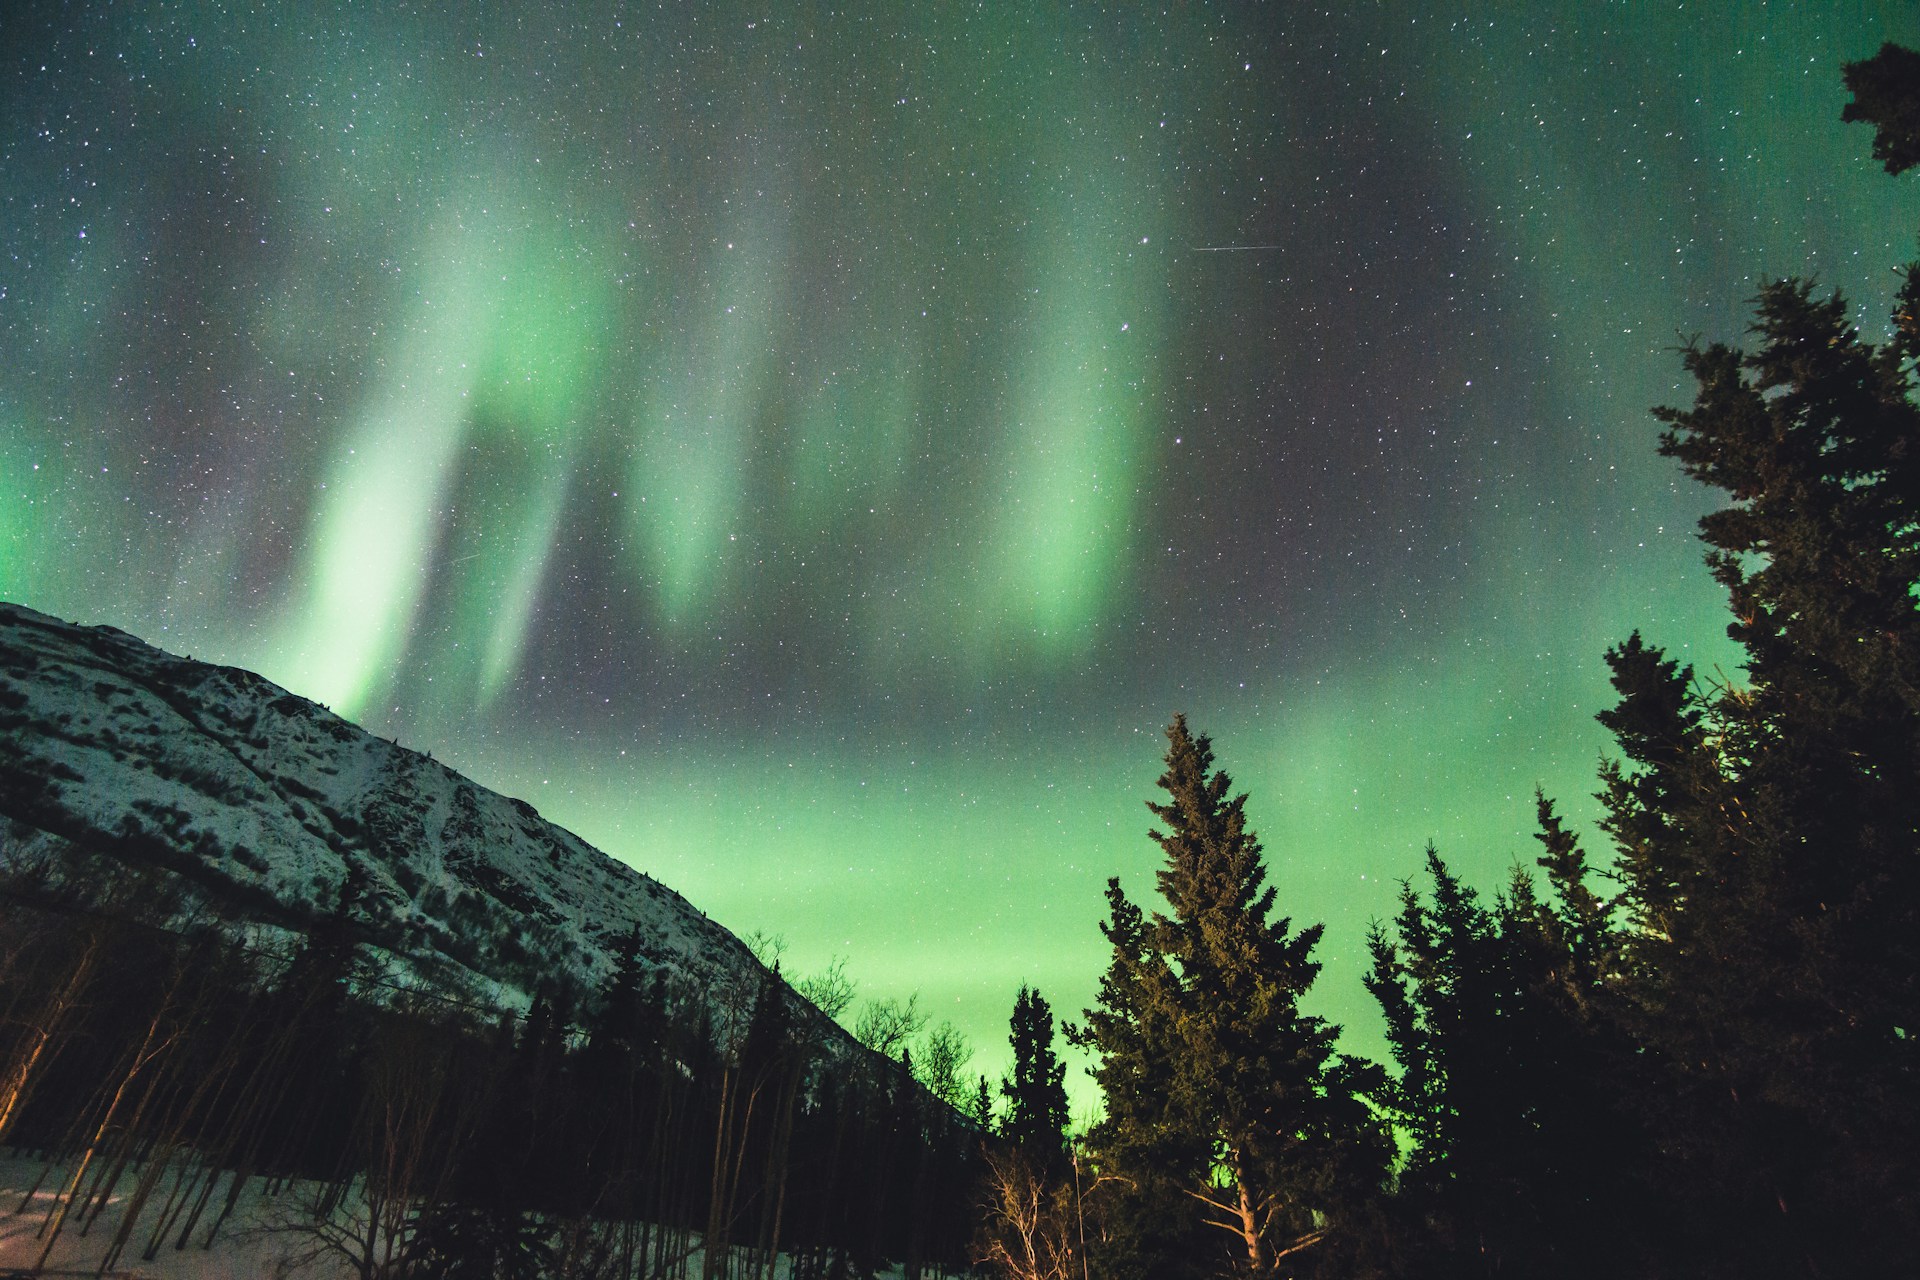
[811,455]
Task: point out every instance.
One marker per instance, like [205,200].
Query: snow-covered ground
[261,1241]
[246,1248]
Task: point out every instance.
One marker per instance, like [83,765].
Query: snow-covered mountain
[264,801]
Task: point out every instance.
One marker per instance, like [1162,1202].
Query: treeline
[1697,1055]
[180,1068]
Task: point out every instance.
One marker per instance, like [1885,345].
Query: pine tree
[1148,1153]
[1508,1094]
[1663,802]
[462,1242]
[1035,1090]
[980,1107]
[1219,1089]
[1810,878]
[617,1075]
[1768,834]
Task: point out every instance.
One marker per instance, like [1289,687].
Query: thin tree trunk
[57,1216]
[13,1088]
[150,1178]
[1249,1222]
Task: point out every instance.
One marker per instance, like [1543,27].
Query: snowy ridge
[264,801]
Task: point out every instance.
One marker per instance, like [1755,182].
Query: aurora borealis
[812,452]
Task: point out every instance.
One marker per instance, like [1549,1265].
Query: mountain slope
[267,804]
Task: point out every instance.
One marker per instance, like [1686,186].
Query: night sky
[811,452]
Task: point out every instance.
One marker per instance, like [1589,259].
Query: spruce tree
[1579,917]
[1230,1116]
[462,1242]
[980,1107]
[1146,1150]
[1509,1094]
[1768,832]
[1035,1090]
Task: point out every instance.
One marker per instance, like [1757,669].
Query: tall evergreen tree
[1035,1090]
[1509,1094]
[980,1106]
[1768,834]
[1147,1151]
[1220,1090]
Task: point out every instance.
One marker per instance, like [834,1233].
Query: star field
[812,454]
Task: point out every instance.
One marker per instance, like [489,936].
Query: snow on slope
[264,800]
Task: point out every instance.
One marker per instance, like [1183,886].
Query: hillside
[266,804]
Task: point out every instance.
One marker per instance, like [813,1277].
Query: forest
[1691,1055]
[172,1065]
[1687,1050]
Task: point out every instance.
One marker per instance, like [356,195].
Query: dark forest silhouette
[1694,1056]
[649,1131]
